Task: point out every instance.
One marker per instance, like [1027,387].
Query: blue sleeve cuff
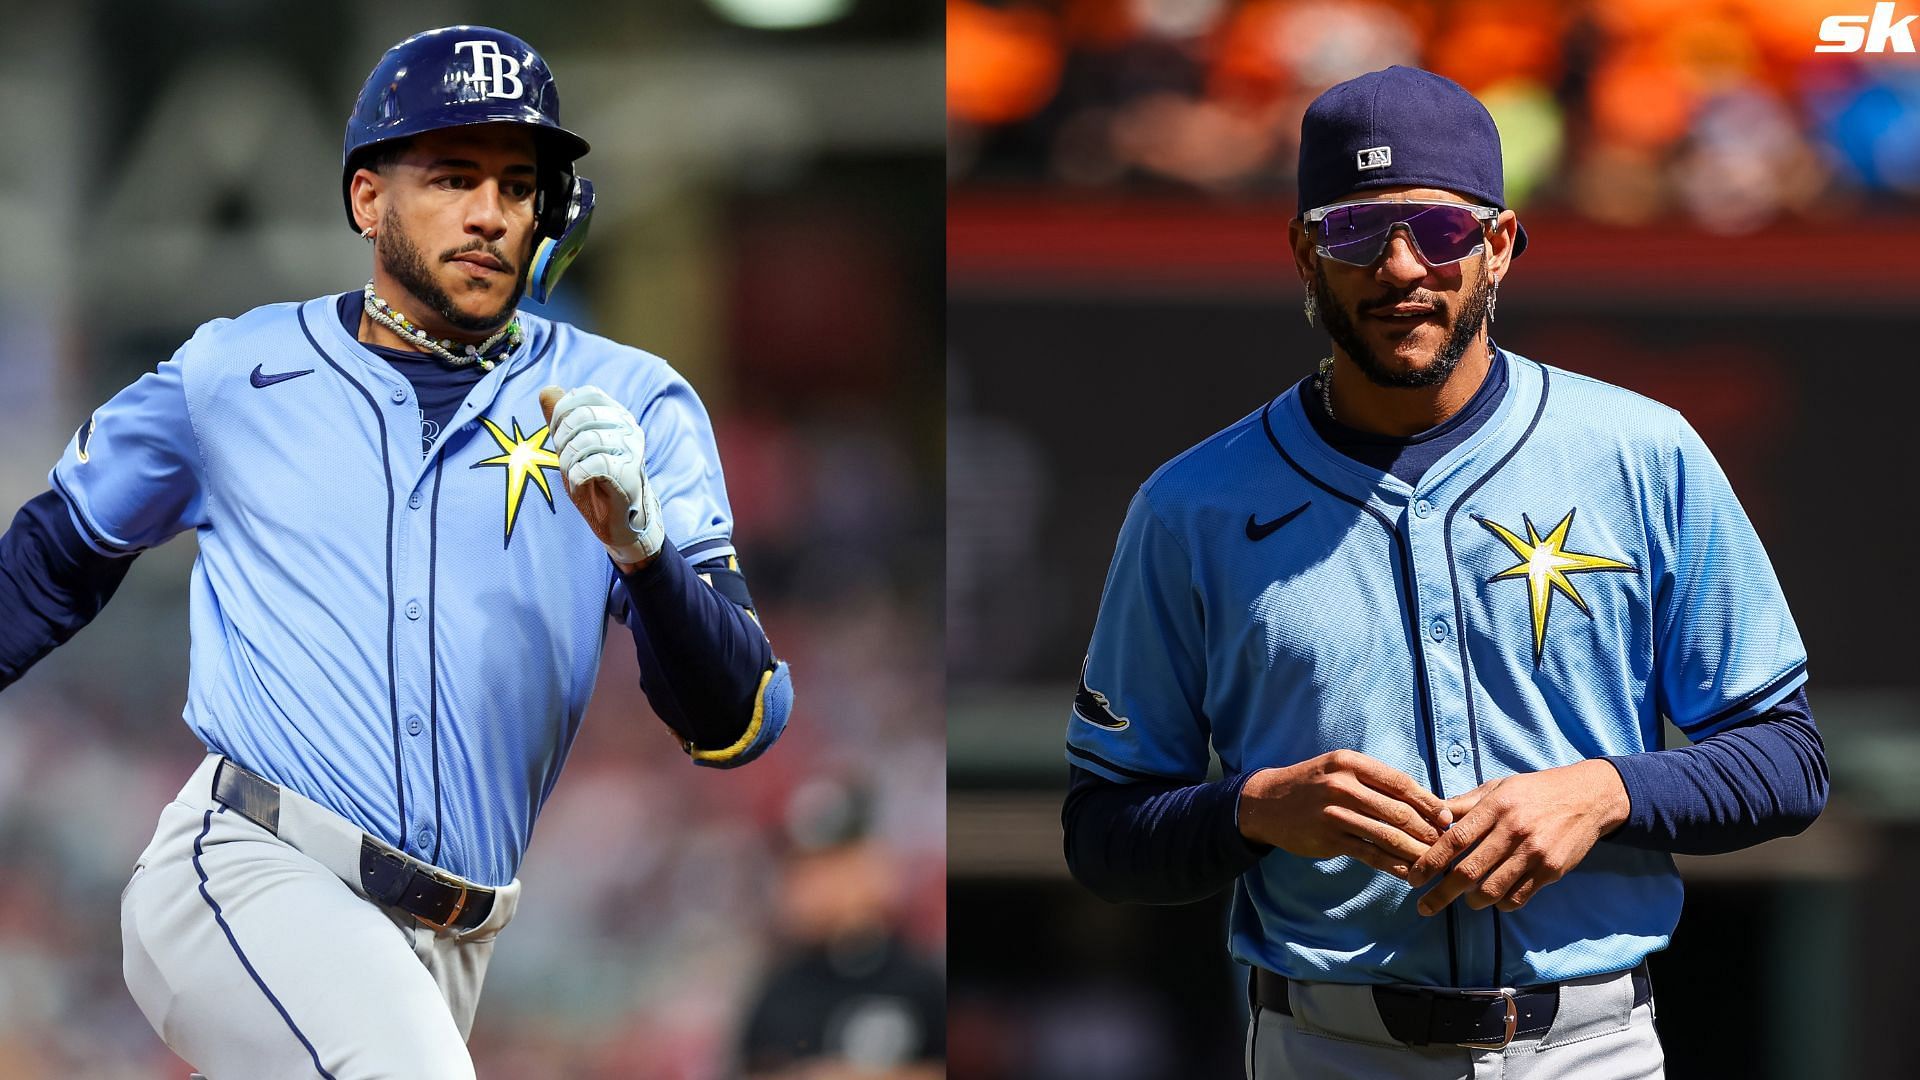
[1755,705]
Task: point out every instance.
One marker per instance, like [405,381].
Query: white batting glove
[601,446]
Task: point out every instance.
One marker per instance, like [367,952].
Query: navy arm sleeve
[51,583]
[1757,781]
[704,661]
[1156,842]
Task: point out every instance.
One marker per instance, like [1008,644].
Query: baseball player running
[396,624]
[1429,608]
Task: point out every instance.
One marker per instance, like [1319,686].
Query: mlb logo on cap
[1376,157]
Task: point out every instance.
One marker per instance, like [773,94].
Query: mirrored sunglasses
[1443,233]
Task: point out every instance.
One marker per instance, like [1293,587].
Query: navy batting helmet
[462,75]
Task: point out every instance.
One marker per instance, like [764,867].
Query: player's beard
[1340,327]
[403,263]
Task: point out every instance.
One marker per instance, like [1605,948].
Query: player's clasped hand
[603,461]
[1343,803]
[1519,834]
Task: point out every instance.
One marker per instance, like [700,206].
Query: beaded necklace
[381,312]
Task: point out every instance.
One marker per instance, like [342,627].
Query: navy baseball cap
[1400,126]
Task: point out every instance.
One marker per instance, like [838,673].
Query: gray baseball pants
[1335,1033]
[256,960]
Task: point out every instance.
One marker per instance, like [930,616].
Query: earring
[367,234]
[1493,300]
[1311,313]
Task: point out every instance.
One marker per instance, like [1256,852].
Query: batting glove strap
[649,532]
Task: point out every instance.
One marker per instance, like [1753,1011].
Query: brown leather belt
[387,876]
[1479,1019]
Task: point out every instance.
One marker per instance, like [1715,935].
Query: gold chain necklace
[1324,383]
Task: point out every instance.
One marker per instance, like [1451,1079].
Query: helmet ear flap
[561,233]
[552,192]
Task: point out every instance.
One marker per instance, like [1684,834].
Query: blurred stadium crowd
[1621,111]
[774,244]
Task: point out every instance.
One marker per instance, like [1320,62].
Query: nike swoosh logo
[1257,532]
[81,438]
[261,381]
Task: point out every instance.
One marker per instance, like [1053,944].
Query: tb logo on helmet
[497,73]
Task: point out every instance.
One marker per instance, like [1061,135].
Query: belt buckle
[460,904]
[1513,1017]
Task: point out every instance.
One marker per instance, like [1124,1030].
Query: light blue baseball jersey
[1573,571]
[409,640]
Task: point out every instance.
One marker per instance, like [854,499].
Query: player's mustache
[480,245]
[1417,296]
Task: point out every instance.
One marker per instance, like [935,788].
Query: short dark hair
[379,157]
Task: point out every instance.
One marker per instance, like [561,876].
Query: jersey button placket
[413,672]
[1440,572]
[1446,681]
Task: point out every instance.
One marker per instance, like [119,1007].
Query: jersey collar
[1294,437]
[344,346]
[378,378]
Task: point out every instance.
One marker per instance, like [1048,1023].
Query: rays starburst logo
[1546,565]
[524,458]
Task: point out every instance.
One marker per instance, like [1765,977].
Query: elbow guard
[772,703]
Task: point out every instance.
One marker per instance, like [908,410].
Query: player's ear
[1305,259]
[363,196]
[1500,241]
